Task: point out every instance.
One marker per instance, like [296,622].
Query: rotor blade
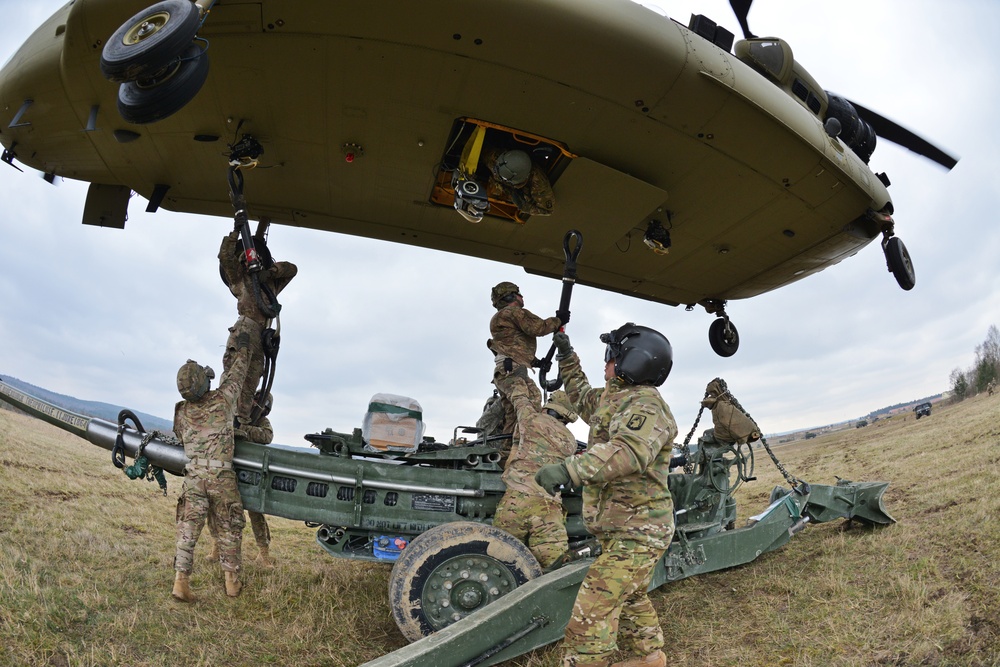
[741,8]
[897,134]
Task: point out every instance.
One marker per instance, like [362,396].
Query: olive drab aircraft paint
[701,169]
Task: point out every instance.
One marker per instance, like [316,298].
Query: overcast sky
[109,315]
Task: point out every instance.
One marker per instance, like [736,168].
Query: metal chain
[793,481]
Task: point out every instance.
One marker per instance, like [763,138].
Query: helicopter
[699,168]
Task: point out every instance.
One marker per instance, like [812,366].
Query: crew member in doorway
[626,500]
[514,175]
[256,306]
[203,422]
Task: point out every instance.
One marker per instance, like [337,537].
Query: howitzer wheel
[452,570]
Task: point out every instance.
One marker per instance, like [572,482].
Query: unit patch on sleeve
[636,422]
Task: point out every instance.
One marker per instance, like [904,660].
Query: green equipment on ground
[464,592]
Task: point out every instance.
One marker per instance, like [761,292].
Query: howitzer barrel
[97,431]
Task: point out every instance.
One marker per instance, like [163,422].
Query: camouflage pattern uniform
[535,197]
[627,506]
[514,330]
[251,320]
[526,511]
[205,427]
[261,433]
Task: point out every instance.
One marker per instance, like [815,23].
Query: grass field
[86,567]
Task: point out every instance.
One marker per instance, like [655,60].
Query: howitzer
[464,592]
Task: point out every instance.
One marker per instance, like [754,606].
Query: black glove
[561,341]
[563,316]
[553,478]
[243,341]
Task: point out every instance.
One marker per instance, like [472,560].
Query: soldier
[203,422]
[526,511]
[253,320]
[626,502]
[514,330]
[991,387]
[514,174]
[261,432]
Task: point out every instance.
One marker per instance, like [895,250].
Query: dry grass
[86,554]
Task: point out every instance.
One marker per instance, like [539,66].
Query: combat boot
[182,587]
[264,558]
[654,659]
[213,555]
[233,584]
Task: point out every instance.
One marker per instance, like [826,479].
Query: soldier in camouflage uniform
[203,422]
[514,330]
[272,278]
[514,175]
[626,501]
[526,511]
[260,432]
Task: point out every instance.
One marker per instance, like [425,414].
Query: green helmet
[193,380]
[503,293]
[512,168]
[560,404]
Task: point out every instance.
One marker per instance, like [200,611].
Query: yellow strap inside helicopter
[470,154]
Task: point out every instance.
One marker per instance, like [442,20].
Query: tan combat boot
[264,558]
[233,585]
[213,555]
[182,587]
[654,659]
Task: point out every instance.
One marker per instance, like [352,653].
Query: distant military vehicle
[923,410]
[861,423]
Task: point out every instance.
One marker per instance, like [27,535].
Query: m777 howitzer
[464,592]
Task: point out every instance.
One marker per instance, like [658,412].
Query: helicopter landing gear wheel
[450,571]
[152,99]
[724,337]
[149,41]
[899,262]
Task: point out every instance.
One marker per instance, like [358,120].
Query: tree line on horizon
[985,369]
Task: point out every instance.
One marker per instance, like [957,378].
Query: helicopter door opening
[466,179]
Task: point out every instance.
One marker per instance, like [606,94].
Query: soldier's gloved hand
[240,434]
[553,477]
[242,341]
[563,316]
[561,341]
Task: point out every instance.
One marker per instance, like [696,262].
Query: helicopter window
[770,56]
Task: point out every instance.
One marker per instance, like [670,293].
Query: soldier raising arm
[626,501]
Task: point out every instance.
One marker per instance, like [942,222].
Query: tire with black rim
[450,571]
[724,341]
[150,40]
[149,100]
[900,264]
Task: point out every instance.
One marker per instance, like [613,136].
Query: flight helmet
[503,293]
[641,355]
[512,167]
[193,380]
[559,403]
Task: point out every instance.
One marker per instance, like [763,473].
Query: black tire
[723,343]
[150,100]
[452,570]
[150,40]
[900,264]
